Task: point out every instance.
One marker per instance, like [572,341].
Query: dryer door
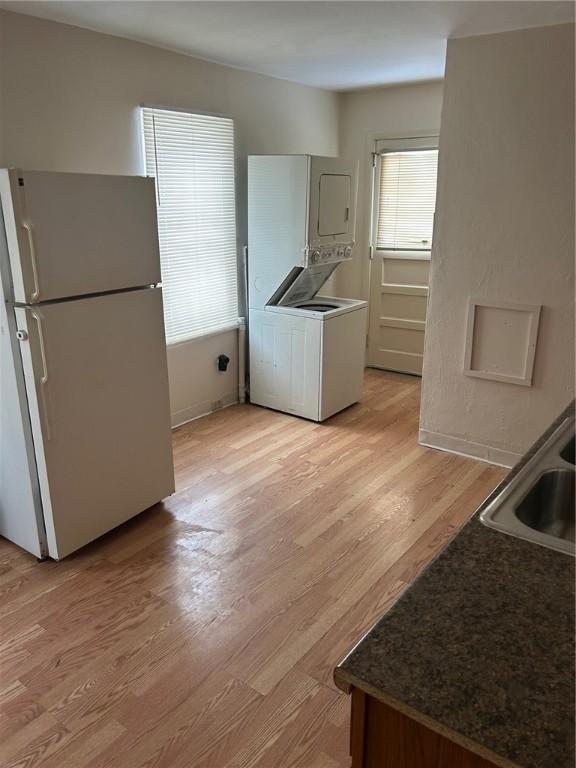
[333,185]
[334,204]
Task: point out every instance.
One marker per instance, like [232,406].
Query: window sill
[206,335]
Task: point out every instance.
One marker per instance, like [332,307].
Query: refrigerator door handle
[44,377]
[35,295]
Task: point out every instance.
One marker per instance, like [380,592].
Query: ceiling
[335,45]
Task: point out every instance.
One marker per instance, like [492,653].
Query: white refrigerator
[85,439]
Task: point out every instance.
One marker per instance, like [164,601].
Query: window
[192,158]
[406,200]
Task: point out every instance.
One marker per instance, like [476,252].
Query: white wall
[365,116]
[69,102]
[504,232]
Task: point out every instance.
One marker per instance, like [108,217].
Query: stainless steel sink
[539,502]
[549,504]
[567,453]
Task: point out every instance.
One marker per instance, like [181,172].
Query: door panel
[406,307]
[405,271]
[97,380]
[401,339]
[398,300]
[76,234]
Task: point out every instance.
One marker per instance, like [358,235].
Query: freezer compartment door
[97,384]
[72,234]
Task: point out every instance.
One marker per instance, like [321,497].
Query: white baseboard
[471,450]
[196,411]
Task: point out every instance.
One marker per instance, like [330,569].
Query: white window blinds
[407,198]
[192,158]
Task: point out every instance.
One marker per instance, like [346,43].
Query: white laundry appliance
[85,439]
[306,350]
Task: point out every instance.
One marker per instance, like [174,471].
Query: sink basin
[567,452]
[538,503]
[549,505]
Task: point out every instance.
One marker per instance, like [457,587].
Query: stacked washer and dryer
[306,350]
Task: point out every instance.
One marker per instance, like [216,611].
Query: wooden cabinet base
[382,737]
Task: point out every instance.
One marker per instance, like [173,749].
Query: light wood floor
[204,632]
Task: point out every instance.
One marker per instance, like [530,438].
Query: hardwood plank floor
[203,633]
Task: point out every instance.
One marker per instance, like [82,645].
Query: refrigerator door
[72,234]
[97,384]
[21,518]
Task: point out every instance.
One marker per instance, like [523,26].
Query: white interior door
[72,234]
[404,195]
[97,383]
[398,302]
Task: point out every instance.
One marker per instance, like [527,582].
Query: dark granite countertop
[480,647]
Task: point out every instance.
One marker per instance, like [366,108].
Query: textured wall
[504,232]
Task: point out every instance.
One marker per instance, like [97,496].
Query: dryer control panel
[329,254]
